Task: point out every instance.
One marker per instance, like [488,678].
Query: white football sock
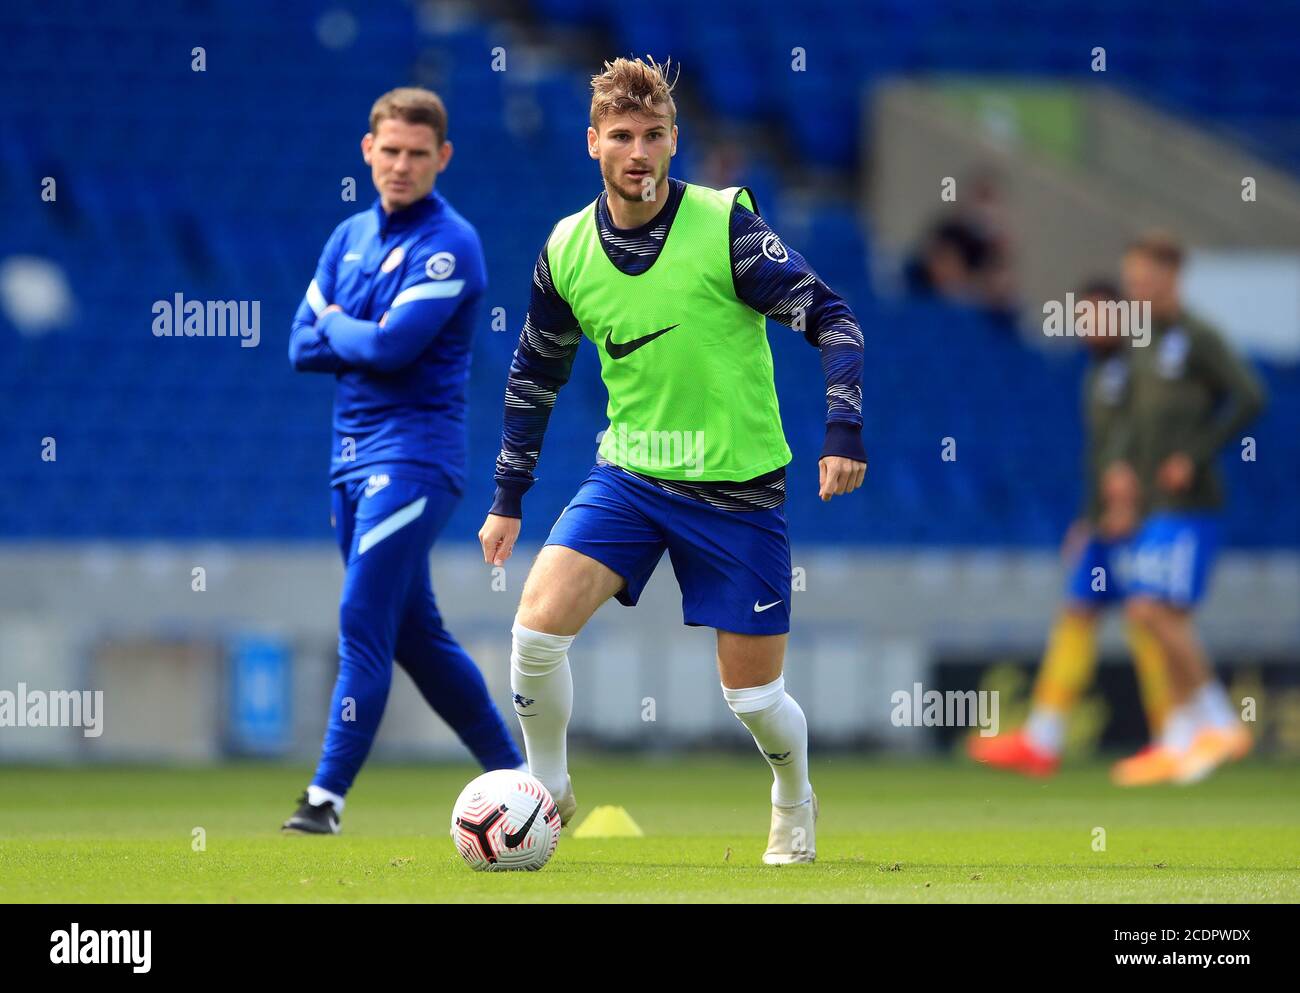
[543,688]
[781,733]
[316,795]
[1045,729]
[1214,706]
[1180,727]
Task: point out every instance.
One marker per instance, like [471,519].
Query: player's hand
[330,309]
[839,476]
[1176,472]
[498,536]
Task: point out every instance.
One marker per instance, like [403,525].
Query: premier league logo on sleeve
[773,249]
[440,265]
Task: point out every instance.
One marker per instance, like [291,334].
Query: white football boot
[793,836]
[568,803]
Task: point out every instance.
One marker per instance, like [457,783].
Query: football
[505,819]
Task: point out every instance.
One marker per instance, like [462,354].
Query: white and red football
[505,819]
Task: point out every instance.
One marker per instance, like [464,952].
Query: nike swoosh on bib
[619,350]
[513,839]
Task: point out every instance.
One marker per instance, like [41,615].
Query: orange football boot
[1144,750]
[1211,748]
[1013,752]
[1154,764]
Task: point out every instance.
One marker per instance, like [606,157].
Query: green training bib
[686,363]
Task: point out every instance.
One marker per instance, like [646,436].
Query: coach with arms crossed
[391,314]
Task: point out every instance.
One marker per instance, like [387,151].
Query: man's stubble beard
[638,196]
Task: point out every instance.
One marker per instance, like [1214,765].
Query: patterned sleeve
[777,281]
[542,364]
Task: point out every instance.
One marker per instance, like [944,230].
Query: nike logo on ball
[759,610]
[621,350]
[513,839]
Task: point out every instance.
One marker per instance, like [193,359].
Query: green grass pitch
[889,832]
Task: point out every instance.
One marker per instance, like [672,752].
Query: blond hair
[414,105]
[633,86]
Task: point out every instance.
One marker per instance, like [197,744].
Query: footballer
[1094,552]
[1192,396]
[672,282]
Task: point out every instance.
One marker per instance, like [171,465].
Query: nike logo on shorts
[759,610]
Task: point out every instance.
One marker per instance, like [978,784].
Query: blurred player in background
[684,275]
[1092,549]
[1191,397]
[391,314]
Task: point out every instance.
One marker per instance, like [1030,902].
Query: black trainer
[320,819]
